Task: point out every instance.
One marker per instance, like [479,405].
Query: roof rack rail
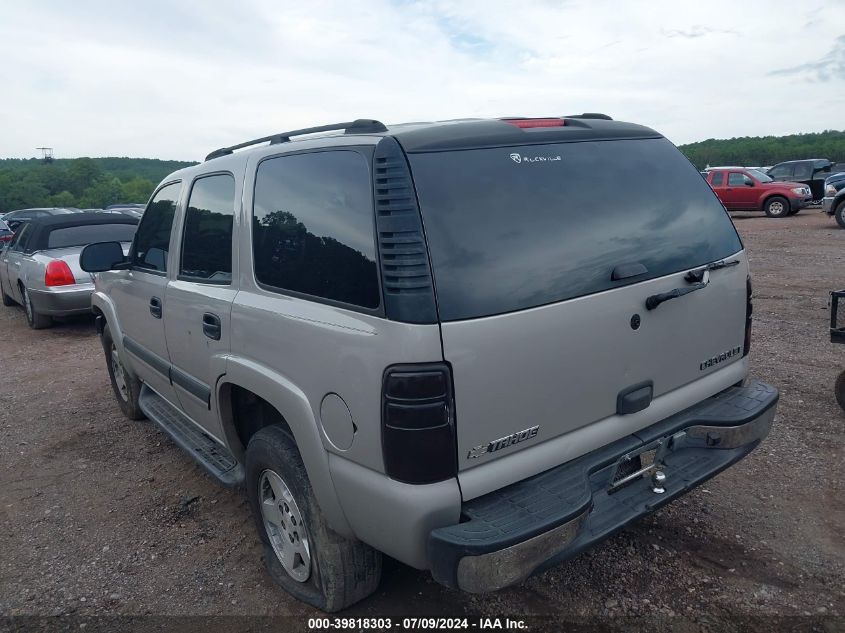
[358,126]
[589,115]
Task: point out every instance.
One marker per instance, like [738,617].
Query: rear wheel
[303,554]
[839,214]
[35,320]
[126,387]
[776,207]
[7,300]
[839,390]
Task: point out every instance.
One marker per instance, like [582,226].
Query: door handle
[155,307]
[211,326]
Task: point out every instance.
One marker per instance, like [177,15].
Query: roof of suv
[466,133]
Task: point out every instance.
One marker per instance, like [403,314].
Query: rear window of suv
[517,227]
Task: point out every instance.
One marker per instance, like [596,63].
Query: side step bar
[213,457]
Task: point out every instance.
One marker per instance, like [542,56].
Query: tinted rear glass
[515,227]
[90,233]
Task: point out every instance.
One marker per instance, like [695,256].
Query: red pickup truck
[742,189]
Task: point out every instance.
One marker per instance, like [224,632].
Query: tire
[839,390]
[839,214]
[776,207]
[7,300]
[126,387]
[35,320]
[339,571]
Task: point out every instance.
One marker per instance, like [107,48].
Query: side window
[718,179]
[18,242]
[152,240]
[736,179]
[207,236]
[803,171]
[781,171]
[313,227]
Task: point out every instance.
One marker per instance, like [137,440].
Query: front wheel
[776,207]
[303,554]
[839,214]
[126,387]
[839,390]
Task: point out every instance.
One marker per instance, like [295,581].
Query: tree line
[84,183]
[766,150]
[98,182]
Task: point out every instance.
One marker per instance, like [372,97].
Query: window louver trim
[405,270]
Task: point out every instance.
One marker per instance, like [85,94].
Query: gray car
[435,341]
[39,269]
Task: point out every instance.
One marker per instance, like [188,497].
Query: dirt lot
[100,515]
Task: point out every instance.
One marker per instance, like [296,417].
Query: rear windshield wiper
[697,275]
[699,279]
[653,301]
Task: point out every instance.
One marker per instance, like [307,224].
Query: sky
[174,80]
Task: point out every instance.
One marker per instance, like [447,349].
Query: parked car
[6,235]
[810,172]
[13,218]
[40,267]
[833,202]
[127,205]
[580,361]
[742,189]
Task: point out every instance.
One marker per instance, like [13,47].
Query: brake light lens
[529,123]
[418,423]
[58,274]
[749,310]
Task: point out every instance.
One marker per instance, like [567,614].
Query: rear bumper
[536,523]
[63,301]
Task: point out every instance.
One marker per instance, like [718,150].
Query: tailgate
[543,257]
[562,366]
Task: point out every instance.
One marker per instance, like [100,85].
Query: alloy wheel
[284,525]
[119,374]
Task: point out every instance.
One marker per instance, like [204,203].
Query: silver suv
[476,346]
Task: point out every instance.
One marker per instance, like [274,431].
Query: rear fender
[294,407]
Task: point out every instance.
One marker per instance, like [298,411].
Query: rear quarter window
[511,228]
[313,227]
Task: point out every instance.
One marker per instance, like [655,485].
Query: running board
[218,461]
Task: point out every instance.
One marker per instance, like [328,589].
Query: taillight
[749,310]
[528,123]
[7,238]
[418,423]
[58,274]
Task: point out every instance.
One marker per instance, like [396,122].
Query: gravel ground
[102,516]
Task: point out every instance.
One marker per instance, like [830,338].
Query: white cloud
[177,80]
